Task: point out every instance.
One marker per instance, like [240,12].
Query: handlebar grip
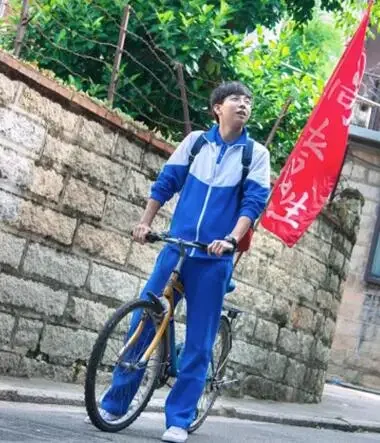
[152,237]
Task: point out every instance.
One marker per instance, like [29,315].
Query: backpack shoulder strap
[246,158]
[197,146]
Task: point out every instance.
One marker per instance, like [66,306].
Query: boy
[214,208]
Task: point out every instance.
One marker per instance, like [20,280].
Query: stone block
[305,346]
[9,363]
[325,230]
[336,260]
[67,345]
[7,323]
[7,90]
[101,243]
[310,269]
[301,290]
[370,208]
[137,187]
[142,258]
[59,266]
[334,283]
[95,136]
[281,310]
[276,365]
[84,164]
[242,296]
[32,368]
[278,280]
[46,222]
[295,373]
[328,331]
[244,327]
[31,295]
[57,119]
[249,355]
[21,130]
[267,244]
[84,198]
[374,177]
[359,173]
[153,163]
[28,333]
[15,169]
[251,298]
[113,283]
[311,379]
[369,192]
[127,150]
[347,168]
[10,207]
[121,214]
[258,387]
[266,331]
[11,249]
[89,314]
[319,322]
[46,183]
[321,353]
[288,342]
[316,247]
[303,318]
[324,299]
[260,301]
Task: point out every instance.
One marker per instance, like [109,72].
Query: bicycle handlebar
[153,237]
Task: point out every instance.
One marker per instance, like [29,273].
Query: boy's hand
[219,247]
[140,232]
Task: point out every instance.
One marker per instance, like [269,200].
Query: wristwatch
[231,240]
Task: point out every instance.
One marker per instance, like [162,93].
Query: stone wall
[355,355]
[74,180]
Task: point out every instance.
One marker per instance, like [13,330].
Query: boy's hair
[221,92]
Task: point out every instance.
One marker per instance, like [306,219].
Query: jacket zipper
[206,202]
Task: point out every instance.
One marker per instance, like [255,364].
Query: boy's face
[234,111]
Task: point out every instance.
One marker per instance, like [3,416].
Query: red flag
[312,169]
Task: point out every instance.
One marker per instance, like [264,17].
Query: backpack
[246,160]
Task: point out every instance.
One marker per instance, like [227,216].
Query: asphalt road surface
[22,422]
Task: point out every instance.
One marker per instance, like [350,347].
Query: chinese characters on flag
[312,169]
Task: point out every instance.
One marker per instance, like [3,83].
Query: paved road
[20,422]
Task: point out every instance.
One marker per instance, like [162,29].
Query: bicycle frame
[167,304]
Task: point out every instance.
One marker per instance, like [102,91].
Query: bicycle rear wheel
[216,372]
[112,360]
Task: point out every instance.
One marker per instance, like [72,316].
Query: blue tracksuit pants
[205,282]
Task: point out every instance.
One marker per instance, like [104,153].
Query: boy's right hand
[140,232]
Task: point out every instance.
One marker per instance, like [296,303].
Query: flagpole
[284,111]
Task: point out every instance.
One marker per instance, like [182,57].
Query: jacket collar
[213,135]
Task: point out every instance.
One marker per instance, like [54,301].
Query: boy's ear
[217,109]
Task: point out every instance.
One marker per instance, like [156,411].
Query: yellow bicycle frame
[168,302]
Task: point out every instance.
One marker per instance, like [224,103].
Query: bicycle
[147,350]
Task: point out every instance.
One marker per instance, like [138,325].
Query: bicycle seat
[231,286]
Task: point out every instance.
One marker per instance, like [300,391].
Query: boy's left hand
[219,247]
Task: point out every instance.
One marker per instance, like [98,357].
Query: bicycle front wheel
[116,381]
[216,372]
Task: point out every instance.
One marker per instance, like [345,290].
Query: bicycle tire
[219,372]
[97,354]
